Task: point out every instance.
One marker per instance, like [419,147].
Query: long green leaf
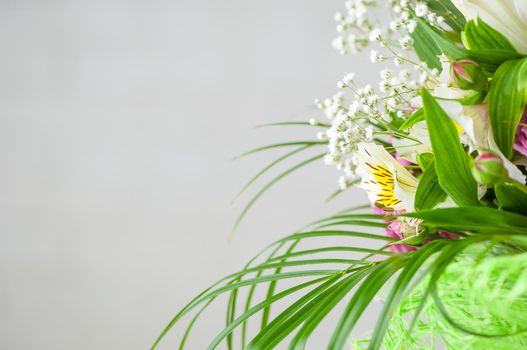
[425,47]
[324,304]
[272,286]
[445,8]
[253,310]
[451,161]
[417,117]
[269,167]
[362,298]
[429,193]
[474,219]
[280,145]
[401,285]
[512,197]
[507,100]
[284,319]
[332,249]
[479,35]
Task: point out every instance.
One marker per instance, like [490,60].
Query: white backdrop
[117,123]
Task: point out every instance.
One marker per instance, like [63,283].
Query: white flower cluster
[353,27]
[356,27]
[360,114]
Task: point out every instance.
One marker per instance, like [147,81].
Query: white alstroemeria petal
[409,149]
[387,182]
[404,189]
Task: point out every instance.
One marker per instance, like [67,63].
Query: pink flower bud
[489,170]
[467,75]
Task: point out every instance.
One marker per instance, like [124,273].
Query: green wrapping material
[482,294]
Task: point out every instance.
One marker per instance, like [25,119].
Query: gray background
[117,122]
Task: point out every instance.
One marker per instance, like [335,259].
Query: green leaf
[280,145]
[425,47]
[492,59]
[512,196]
[272,285]
[332,249]
[400,287]
[431,42]
[445,8]
[267,168]
[424,160]
[250,293]
[362,298]
[253,310]
[507,100]
[325,303]
[290,318]
[479,35]
[451,161]
[473,219]
[429,193]
[441,42]
[416,117]
[448,253]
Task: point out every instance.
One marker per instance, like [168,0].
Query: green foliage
[507,100]
[481,291]
[451,161]
[473,219]
[445,8]
[424,160]
[512,196]
[425,47]
[430,42]
[479,35]
[429,193]
[417,117]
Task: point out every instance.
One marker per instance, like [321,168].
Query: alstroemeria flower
[388,184]
[509,17]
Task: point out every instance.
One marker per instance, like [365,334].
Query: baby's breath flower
[411,26]
[375,56]
[375,35]
[406,42]
[421,10]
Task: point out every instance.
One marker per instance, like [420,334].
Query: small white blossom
[375,35]
[339,17]
[411,26]
[348,79]
[369,133]
[375,56]
[386,73]
[398,61]
[406,42]
[404,75]
[421,10]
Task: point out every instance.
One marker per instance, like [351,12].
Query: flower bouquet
[439,144]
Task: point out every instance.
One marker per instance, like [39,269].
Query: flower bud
[489,170]
[467,75]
